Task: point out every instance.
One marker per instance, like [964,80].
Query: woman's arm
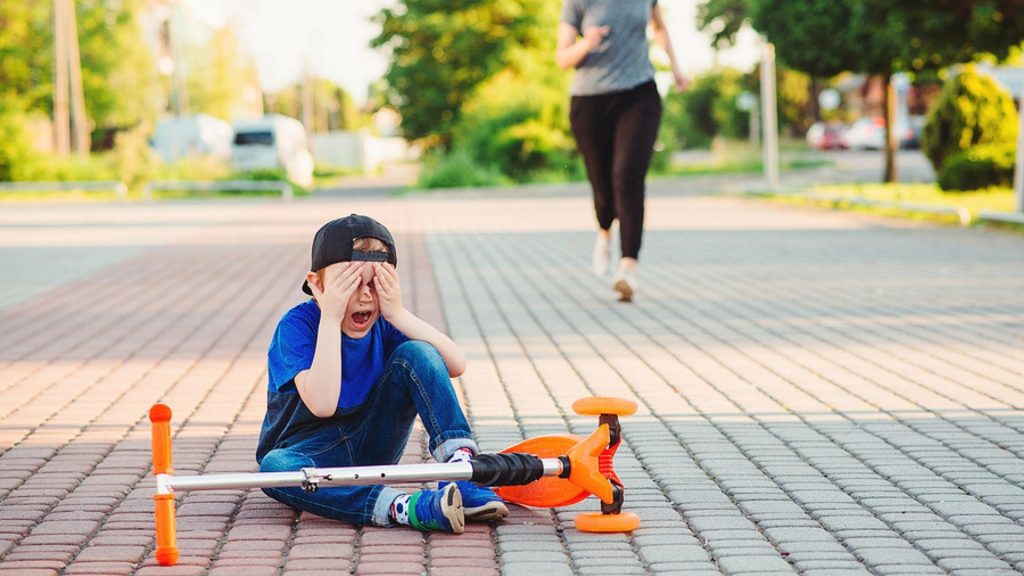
[662,39]
[573,48]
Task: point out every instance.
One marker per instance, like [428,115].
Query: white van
[270,143]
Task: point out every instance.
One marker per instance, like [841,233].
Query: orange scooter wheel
[597,522]
[549,491]
[597,405]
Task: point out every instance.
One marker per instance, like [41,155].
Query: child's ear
[313,279]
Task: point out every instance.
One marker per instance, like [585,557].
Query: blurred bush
[16,156]
[707,109]
[971,110]
[979,167]
[514,128]
[459,169]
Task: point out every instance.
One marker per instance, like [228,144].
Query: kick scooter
[544,471]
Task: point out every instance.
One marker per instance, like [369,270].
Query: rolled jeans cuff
[446,448]
[382,508]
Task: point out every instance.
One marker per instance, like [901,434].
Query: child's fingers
[390,273]
[353,282]
[333,273]
[345,273]
[385,277]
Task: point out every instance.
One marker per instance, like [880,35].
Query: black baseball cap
[333,243]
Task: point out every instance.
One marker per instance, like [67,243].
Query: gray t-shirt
[621,60]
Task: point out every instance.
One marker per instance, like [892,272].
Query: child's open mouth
[361,319]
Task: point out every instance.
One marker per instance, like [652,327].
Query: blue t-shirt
[288,420]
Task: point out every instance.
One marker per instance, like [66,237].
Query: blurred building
[864,96]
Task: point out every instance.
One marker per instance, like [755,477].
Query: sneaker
[439,509]
[625,285]
[480,503]
[602,256]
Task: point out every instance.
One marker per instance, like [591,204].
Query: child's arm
[320,386]
[389,291]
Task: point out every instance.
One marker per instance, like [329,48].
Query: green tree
[441,50]
[879,37]
[826,37]
[723,19]
[218,74]
[26,69]
[119,78]
[516,123]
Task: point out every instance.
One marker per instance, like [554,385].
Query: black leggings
[615,133]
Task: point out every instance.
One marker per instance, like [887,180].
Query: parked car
[826,136]
[869,134]
[273,142]
[916,129]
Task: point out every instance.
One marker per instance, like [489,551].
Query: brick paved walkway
[820,393]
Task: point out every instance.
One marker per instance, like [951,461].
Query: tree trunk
[892,141]
[815,91]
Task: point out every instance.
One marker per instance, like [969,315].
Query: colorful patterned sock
[400,509]
[461,455]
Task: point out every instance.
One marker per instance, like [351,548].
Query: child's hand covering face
[341,281]
[389,290]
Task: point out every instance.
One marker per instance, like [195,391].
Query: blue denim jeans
[415,381]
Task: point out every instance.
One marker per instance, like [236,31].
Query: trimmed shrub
[979,167]
[971,110]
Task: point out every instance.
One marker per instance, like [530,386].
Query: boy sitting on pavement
[349,370]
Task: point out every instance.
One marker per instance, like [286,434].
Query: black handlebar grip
[506,469]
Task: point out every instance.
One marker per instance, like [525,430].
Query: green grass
[739,167]
[70,196]
[98,196]
[993,199]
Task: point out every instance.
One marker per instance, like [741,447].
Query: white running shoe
[625,285]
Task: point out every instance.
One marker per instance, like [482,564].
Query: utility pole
[68,78]
[769,114]
[61,120]
[308,114]
[80,122]
[175,27]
